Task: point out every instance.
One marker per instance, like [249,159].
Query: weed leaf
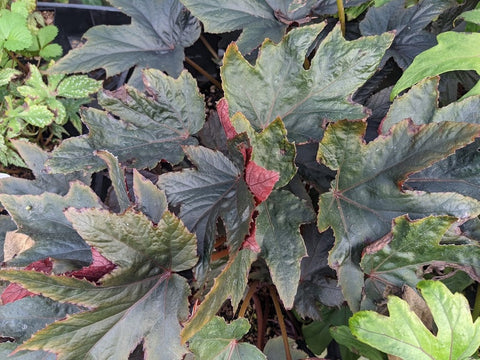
[403,334]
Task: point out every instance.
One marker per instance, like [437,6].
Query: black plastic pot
[74,20]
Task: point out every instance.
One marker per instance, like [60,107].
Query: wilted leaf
[143,284]
[403,334]
[278,234]
[366,189]
[41,217]
[303,99]
[455,51]
[398,258]
[219,340]
[151,127]
[35,159]
[224,288]
[156,38]
[214,189]
[409,23]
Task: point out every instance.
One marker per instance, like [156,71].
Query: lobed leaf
[224,288]
[151,128]
[398,258]
[459,171]
[455,51]
[367,188]
[156,37]
[41,217]
[20,319]
[146,255]
[270,148]
[35,159]
[214,189]
[403,334]
[278,234]
[408,23]
[303,99]
[219,340]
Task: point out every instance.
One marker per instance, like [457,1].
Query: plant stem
[209,47]
[246,301]
[203,72]
[281,321]
[341,15]
[476,307]
[260,322]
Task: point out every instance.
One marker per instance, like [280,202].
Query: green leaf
[214,189]
[41,217]
[472,16]
[303,99]
[224,288]
[14,34]
[367,188]
[271,149]
[51,51]
[21,318]
[219,340]
[403,334]
[46,35]
[156,37]
[151,127]
[399,257]
[343,336]
[36,115]
[455,51]
[278,235]
[35,159]
[142,284]
[78,86]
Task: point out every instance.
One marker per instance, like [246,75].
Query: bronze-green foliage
[285,190]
